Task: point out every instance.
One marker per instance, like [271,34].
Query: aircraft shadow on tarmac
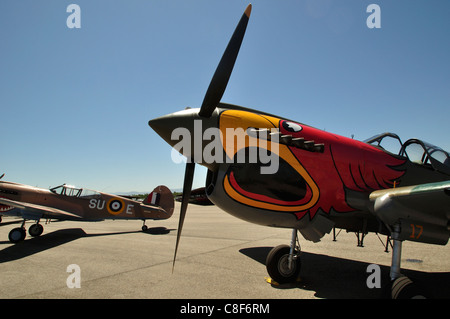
[60,237]
[332,277]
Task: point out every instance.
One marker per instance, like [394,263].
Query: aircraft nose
[167,124]
[184,130]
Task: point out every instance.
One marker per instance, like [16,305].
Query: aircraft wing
[35,209]
[423,211]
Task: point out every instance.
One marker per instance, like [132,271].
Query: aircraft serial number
[242,308]
[230,308]
[114,206]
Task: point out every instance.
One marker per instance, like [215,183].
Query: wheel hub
[283,265]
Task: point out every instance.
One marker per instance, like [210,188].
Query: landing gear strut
[283,262]
[402,286]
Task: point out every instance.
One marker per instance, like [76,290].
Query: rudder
[161,196]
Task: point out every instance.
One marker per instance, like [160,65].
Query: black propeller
[211,101]
[187,187]
[220,78]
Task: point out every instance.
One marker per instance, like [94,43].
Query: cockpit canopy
[417,151]
[69,190]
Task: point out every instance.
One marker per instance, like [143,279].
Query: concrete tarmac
[219,257]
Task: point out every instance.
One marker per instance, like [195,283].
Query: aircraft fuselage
[83,204]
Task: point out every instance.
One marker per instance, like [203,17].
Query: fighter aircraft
[322,180]
[67,202]
[198,197]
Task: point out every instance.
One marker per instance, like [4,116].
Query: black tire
[17,234]
[277,265]
[405,288]
[35,230]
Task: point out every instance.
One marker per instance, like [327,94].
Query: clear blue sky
[74,103]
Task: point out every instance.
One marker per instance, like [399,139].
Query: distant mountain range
[175,190]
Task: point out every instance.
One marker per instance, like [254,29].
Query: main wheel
[405,288]
[35,230]
[17,234]
[277,264]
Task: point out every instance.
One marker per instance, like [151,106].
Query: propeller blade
[220,78]
[188,178]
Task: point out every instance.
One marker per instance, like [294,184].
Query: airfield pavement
[219,257]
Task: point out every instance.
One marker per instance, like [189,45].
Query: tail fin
[161,196]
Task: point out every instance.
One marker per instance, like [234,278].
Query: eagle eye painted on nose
[291,126]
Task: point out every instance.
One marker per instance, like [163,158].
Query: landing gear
[283,266]
[18,234]
[36,230]
[401,286]
[396,254]
[283,262]
[144,227]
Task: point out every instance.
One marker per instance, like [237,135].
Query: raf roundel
[115,206]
